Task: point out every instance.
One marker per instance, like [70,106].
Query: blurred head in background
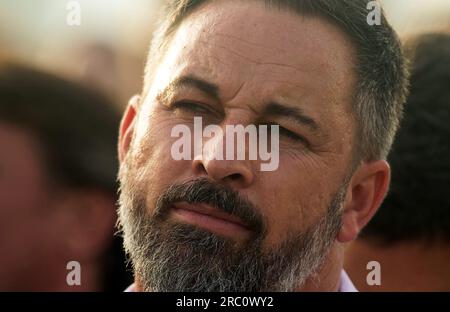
[410,234]
[57,181]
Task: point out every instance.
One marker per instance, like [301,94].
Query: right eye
[191,107]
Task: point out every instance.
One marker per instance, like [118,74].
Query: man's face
[265,66]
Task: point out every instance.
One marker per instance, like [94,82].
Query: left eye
[291,135]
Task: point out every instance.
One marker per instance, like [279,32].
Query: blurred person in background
[410,234]
[57,184]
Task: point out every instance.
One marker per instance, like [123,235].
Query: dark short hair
[380,64]
[418,204]
[76,126]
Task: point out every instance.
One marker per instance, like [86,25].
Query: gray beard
[178,257]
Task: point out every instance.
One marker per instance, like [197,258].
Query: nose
[214,164]
[233,172]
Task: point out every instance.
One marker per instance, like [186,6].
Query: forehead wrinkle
[224,20]
[258,68]
[270,68]
[260,62]
[247,42]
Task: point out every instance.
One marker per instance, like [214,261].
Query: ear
[127,126]
[367,189]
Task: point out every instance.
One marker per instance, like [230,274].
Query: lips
[210,218]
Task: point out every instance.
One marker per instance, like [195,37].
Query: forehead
[256,52]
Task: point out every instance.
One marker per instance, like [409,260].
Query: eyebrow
[294,113]
[190,81]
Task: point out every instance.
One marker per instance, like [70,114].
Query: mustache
[219,196]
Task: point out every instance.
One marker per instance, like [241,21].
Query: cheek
[152,141]
[153,161]
[293,198]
